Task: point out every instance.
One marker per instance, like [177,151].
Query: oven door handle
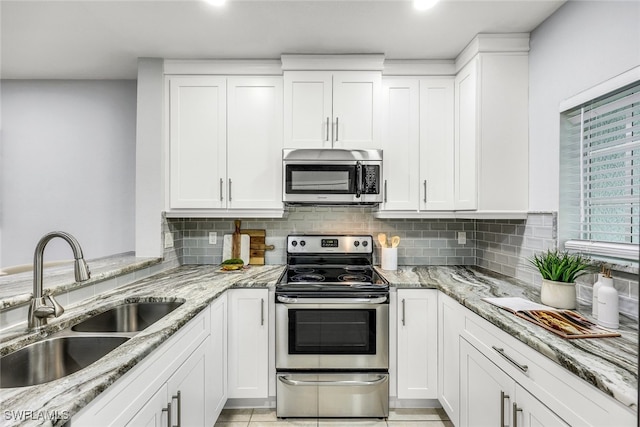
[348,383]
[292,300]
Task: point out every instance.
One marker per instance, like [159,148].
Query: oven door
[332,333]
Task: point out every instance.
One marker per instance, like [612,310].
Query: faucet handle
[57,308]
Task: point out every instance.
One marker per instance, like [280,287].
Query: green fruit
[233,261]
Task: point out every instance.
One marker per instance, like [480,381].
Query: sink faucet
[42,307]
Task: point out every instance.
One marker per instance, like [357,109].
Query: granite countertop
[609,364]
[198,286]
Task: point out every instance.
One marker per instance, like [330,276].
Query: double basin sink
[79,346]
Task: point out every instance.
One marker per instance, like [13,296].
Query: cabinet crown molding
[351,62]
[511,43]
[419,67]
[255,67]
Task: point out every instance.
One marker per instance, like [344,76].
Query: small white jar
[596,289]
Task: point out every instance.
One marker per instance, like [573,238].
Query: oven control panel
[329,244]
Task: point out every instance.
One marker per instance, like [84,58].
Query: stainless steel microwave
[332,176]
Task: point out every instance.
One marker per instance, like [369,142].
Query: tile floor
[427,417]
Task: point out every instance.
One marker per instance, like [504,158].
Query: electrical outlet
[213,237]
[168,240]
[462,237]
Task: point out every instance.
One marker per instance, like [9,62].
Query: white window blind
[600,175]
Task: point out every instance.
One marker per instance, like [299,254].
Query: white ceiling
[103,39]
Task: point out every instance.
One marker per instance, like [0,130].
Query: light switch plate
[213,237]
[462,237]
[168,240]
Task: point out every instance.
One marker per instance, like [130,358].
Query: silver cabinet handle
[385,191]
[425,190]
[403,322]
[261,311]
[327,138]
[501,352]
[301,301]
[178,397]
[515,414]
[221,184]
[348,383]
[503,396]
[168,411]
[229,189]
[337,127]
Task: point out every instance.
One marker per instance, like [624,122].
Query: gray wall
[68,154]
[581,45]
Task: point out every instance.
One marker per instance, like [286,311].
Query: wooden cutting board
[257,245]
[244,248]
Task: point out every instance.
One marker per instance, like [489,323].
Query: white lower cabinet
[490,397]
[154,413]
[217,373]
[450,325]
[417,335]
[248,351]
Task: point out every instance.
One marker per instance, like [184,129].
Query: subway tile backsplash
[502,246]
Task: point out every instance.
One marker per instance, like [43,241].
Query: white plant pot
[558,294]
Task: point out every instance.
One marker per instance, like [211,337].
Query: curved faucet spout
[42,308]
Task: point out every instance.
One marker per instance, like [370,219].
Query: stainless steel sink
[53,358]
[129,317]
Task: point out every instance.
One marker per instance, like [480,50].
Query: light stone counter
[610,364]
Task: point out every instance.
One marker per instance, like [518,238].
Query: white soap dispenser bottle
[608,303]
[596,289]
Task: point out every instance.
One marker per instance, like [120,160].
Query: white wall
[68,163]
[581,45]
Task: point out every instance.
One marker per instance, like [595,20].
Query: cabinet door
[197,122]
[188,388]
[417,344]
[307,109]
[436,144]
[154,413]
[254,142]
[450,324]
[530,412]
[356,109]
[400,142]
[217,360]
[248,337]
[486,392]
[466,137]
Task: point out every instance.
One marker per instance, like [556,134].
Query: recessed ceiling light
[424,4]
[217,3]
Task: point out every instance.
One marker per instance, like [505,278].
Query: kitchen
[114,215]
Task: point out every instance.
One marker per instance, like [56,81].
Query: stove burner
[303,270]
[308,277]
[353,278]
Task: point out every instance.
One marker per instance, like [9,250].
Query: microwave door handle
[358,179]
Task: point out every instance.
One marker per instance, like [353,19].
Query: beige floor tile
[415,414]
[264,414]
[231,424]
[356,422]
[235,415]
[289,422]
[419,423]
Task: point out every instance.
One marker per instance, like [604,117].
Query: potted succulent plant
[559,270]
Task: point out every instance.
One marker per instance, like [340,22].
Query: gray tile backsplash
[502,246]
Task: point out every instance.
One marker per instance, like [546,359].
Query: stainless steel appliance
[332,330]
[332,176]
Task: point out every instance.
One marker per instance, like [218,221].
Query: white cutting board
[245,246]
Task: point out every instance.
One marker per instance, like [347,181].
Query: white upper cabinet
[254,142]
[225,139]
[332,109]
[197,133]
[492,133]
[418,144]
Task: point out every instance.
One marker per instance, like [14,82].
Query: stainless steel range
[332,330]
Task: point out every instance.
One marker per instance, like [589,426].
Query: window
[600,175]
